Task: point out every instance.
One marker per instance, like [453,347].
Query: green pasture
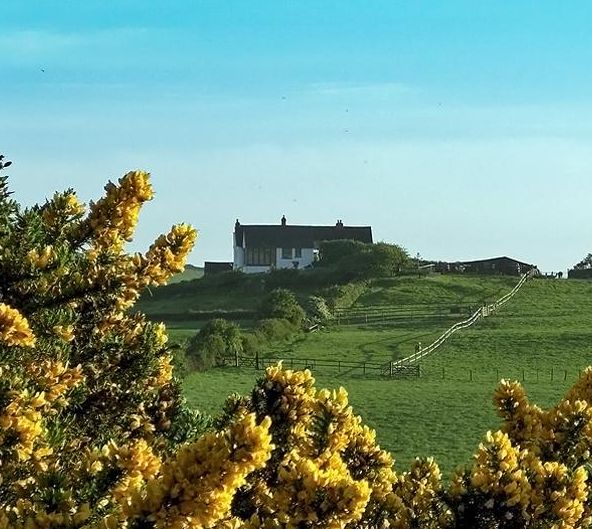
[542,336]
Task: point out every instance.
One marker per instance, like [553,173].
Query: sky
[458,129]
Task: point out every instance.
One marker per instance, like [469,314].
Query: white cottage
[263,247]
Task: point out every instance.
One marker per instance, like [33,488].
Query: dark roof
[497,260]
[277,236]
[215,267]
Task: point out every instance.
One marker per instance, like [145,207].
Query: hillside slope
[543,335]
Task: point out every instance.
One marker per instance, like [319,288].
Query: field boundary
[339,366]
[482,312]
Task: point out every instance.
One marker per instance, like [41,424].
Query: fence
[482,312]
[430,373]
[477,374]
[382,314]
[316,364]
[404,368]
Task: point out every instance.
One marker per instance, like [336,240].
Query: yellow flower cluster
[168,254]
[327,469]
[523,421]
[42,259]
[318,490]
[196,488]
[21,424]
[54,380]
[139,463]
[515,484]
[415,501]
[114,217]
[14,328]
[498,471]
[62,208]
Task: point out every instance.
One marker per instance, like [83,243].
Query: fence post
[551,374]
[257,360]
[391,368]
[235,358]
[339,365]
[471,375]
[442,373]
[565,375]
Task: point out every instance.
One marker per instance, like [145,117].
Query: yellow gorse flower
[14,328]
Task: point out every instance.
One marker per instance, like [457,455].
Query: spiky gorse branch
[79,375]
[534,472]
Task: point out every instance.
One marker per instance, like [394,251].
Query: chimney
[283,220]
[339,224]
[236,224]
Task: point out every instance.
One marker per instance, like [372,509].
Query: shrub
[216,340]
[318,310]
[352,260]
[89,409]
[275,329]
[253,343]
[344,296]
[282,304]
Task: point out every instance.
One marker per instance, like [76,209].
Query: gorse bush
[95,435]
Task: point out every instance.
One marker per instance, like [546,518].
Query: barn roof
[274,236]
[504,258]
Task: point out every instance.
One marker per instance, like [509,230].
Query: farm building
[263,247]
[495,265]
[214,267]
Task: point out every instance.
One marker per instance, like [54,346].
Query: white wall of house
[305,259]
[239,258]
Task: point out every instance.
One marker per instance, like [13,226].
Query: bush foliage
[354,260]
[95,435]
[281,303]
[217,339]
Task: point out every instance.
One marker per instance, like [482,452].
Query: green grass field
[543,335]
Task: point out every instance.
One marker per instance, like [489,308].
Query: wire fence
[350,368]
[556,374]
[391,314]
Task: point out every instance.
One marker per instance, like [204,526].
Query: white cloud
[17,46]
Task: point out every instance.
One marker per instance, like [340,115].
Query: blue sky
[457,129]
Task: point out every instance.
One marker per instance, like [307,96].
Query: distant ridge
[191,272]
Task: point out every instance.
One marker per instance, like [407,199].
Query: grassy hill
[542,336]
[191,272]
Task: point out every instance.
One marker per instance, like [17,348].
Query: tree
[281,303]
[357,260]
[217,339]
[585,263]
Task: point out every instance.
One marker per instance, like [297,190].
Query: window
[259,257]
[298,253]
[286,253]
